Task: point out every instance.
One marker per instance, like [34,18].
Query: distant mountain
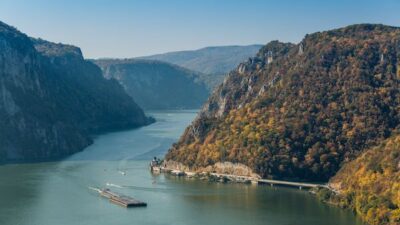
[155,84]
[52,100]
[214,61]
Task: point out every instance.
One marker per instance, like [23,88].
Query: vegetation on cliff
[301,111]
[370,185]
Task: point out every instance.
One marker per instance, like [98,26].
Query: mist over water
[58,193]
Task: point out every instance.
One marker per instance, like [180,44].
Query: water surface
[57,193]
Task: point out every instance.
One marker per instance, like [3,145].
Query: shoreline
[229,173]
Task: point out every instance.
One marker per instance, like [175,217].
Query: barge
[120,199]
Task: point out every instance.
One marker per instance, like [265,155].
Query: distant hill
[215,61]
[157,85]
[52,100]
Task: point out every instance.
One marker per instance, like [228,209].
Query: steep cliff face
[300,111]
[157,85]
[51,99]
[103,104]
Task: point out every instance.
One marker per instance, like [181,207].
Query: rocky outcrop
[51,100]
[223,168]
[155,84]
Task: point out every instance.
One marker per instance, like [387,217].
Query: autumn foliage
[371,184]
[306,113]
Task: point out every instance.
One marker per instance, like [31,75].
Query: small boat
[156,165]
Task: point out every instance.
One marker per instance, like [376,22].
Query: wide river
[58,193]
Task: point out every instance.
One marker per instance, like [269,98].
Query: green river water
[57,193]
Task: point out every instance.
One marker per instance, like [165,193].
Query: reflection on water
[58,193]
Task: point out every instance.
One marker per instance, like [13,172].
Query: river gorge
[58,192]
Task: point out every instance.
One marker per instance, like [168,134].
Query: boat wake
[113,185]
[94,189]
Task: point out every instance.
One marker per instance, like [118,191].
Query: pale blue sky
[129,28]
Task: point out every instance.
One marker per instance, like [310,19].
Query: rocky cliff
[299,111]
[51,100]
[155,84]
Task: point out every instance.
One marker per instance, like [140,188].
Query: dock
[120,199]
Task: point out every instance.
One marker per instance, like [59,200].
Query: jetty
[120,199]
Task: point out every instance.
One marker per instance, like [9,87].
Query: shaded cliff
[51,100]
[155,84]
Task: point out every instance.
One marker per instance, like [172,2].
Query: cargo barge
[120,199]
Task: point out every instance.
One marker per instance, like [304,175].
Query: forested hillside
[371,184]
[300,111]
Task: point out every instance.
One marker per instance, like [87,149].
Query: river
[58,193]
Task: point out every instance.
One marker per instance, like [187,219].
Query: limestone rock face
[51,100]
[230,168]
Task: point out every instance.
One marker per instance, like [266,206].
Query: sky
[131,28]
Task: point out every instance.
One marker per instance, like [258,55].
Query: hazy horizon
[177,51]
[127,29]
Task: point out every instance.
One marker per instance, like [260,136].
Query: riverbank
[230,172]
